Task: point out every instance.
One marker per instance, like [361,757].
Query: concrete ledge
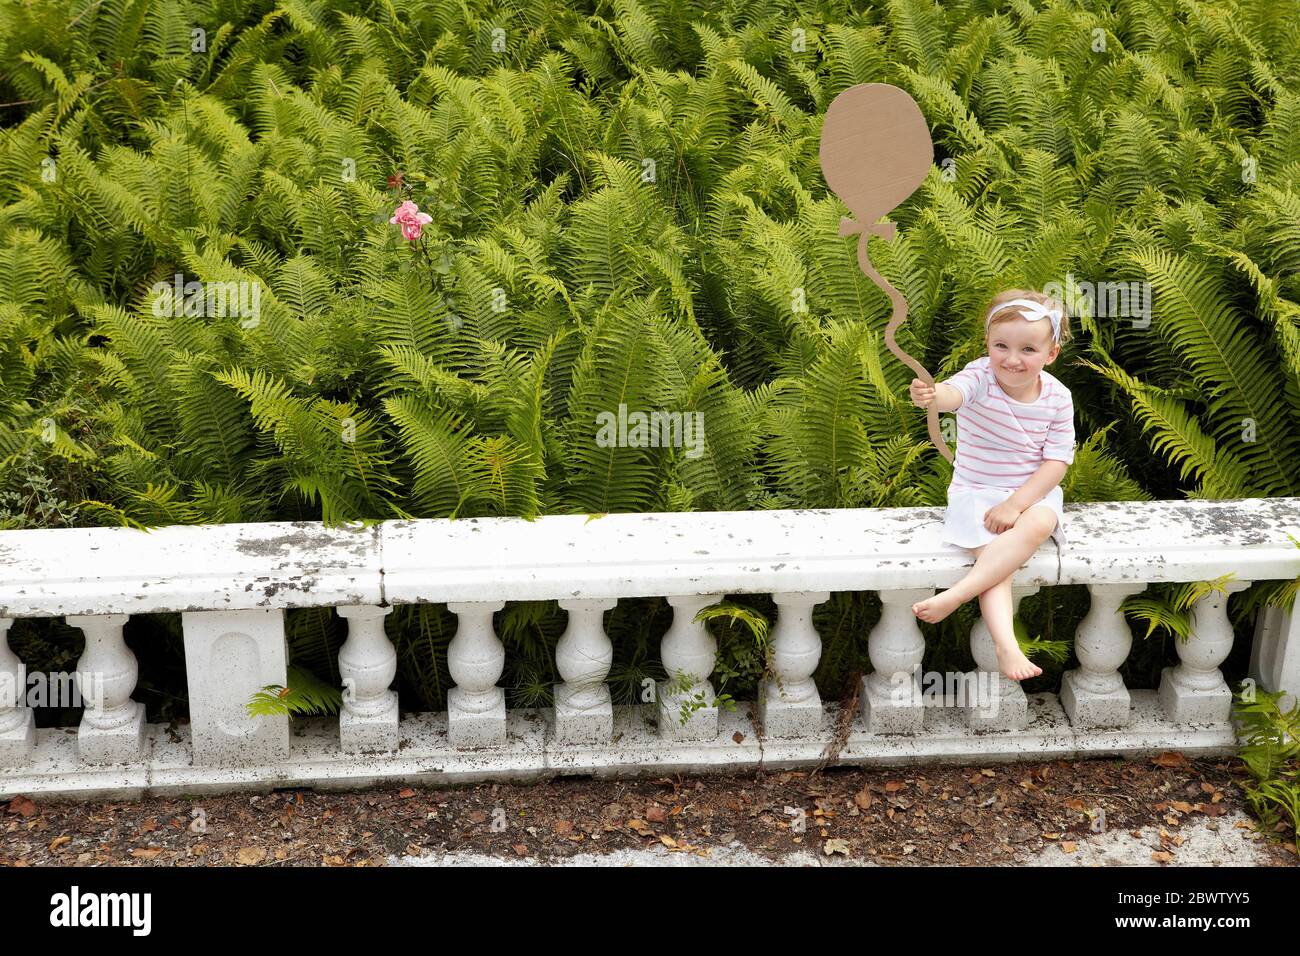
[226,567]
[1113,542]
[54,572]
[424,755]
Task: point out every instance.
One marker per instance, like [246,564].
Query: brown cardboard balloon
[875,151]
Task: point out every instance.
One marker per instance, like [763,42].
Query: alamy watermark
[1104,299]
[976,690]
[242,300]
[75,908]
[56,689]
[651,430]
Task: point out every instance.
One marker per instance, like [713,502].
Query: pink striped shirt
[1000,441]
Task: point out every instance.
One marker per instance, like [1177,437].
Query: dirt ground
[996,814]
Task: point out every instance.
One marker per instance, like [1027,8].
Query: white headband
[1030,311]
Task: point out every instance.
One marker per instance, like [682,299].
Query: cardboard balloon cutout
[875,151]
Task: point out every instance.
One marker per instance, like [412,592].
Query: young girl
[1015,425]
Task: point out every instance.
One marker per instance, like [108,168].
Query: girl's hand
[1001,517]
[922,394]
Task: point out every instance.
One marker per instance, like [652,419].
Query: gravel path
[1208,843]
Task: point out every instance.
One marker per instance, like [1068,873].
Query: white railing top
[46,573]
[226,567]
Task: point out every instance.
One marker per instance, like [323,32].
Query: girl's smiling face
[1018,350]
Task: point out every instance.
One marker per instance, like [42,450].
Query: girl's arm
[947,397]
[1037,485]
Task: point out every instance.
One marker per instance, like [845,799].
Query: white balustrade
[1194,692]
[367,665]
[790,703]
[1093,694]
[890,696]
[584,713]
[233,585]
[1275,652]
[230,656]
[687,704]
[112,724]
[17,725]
[476,707]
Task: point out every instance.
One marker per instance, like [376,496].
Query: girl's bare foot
[935,609]
[1013,663]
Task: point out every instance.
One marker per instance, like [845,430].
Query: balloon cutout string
[875,151]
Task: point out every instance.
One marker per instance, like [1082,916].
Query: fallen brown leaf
[250,855]
[836,846]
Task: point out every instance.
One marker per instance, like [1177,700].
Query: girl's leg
[997,609]
[997,562]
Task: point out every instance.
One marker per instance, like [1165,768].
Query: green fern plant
[1271,753]
[304,695]
[1168,608]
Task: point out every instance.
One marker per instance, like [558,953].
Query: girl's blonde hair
[1041,298]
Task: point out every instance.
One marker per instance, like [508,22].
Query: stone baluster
[229,657]
[17,725]
[584,713]
[476,707]
[1275,653]
[1093,695]
[1195,692]
[790,704]
[689,650]
[367,664]
[890,696]
[112,724]
[995,702]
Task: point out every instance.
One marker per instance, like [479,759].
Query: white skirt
[964,521]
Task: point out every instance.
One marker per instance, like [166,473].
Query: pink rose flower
[410,218]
